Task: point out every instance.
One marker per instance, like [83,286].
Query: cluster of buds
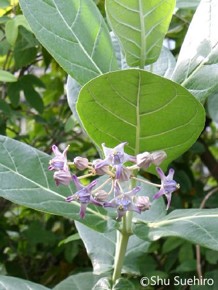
[113,166]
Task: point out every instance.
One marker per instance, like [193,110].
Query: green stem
[121,246]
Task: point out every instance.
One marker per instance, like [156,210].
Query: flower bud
[81,163]
[125,174]
[62,177]
[143,160]
[142,203]
[158,156]
[100,195]
[102,170]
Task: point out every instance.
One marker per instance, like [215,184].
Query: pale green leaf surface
[212,106]
[164,66]
[12,283]
[146,111]
[140,27]
[187,4]
[197,65]
[81,281]
[7,77]
[198,226]
[75,34]
[25,180]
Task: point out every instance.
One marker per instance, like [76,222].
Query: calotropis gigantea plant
[125,88]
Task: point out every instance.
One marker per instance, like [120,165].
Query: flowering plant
[124,96]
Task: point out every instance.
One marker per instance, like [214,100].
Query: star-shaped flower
[115,157]
[123,202]
[83,195]
[59,161]
[168,185]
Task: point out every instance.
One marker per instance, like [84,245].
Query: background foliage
[34,109]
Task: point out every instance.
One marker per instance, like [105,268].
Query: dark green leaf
[33,98]
[14,93]
[210,282]
[25,50]
[144,112]
[5,108]
[74,33]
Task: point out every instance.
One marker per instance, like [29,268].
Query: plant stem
[121,246]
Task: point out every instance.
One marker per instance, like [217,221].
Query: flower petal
[159,193]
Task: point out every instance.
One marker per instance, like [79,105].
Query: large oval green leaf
[141,27]
[195,225]
[146,110]
[25,180]
[75,34]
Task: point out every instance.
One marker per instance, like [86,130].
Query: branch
[209,161]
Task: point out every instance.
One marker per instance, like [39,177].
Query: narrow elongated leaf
[141,27]
[12,283]
[75,34]
[197,65]
[195,225]
[25,180]
[147,111]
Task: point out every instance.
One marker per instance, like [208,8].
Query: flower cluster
[113,166]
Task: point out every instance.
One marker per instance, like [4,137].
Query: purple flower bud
[142,203]
[81,163]
[124,174]
[158,156]
[100,195]
[143,160]
[100,170]
[62,177]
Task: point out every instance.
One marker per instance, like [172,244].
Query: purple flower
[168,185]
[123,201]
[59,162]
[83,195]
[115,157]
